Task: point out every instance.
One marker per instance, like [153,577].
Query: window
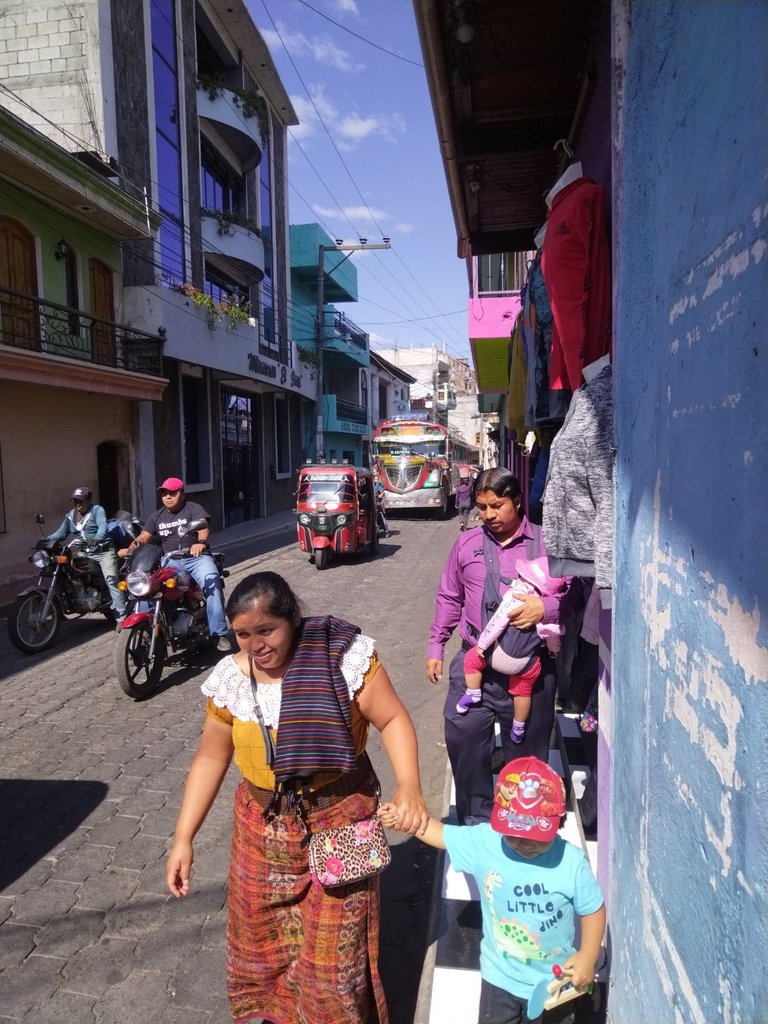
[282,437]
[168,139]
[196,429]
[221,188]
[502,272]
[221,288]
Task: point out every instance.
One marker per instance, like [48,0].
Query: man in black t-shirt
[162,526]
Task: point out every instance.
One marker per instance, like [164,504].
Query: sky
[377,112]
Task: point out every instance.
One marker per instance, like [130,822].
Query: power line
[362,38]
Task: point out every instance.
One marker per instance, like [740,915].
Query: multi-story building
[73,378]
[344,351]
[183,100]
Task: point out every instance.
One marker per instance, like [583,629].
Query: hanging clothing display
[576,266]
[516,418]
[544,404]
[578,498]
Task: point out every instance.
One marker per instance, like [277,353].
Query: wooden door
[102,307]
[20,323]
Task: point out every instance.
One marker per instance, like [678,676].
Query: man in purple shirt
[470,737]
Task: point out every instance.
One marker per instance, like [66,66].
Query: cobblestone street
[92,783]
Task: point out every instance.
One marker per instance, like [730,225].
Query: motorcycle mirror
[40,518]
[192,527]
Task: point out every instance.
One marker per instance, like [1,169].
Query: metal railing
[35,325]
[348,330]
[350,411]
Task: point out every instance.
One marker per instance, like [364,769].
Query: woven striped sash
[314,732]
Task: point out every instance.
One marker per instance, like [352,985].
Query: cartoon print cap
[529,800]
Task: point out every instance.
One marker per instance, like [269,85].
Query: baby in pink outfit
[524,671]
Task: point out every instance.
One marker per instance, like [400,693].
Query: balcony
[224,112]
[343,417]
[231,247]
[79,349]
[344,341]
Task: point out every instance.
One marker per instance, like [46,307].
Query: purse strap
[266,735]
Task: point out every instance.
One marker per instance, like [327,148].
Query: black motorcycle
[70,583]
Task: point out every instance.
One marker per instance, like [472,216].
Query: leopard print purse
[349,853]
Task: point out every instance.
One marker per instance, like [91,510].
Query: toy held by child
[524,671]
[533,885]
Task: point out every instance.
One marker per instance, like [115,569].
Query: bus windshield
[434,448]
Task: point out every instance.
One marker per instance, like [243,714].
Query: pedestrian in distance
[90,521]
[533,887]
[381,503]
[294,706]
[162,526]
[505,540]
[464,500]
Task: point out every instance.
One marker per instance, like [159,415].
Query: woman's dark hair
[271,590]
[502,482]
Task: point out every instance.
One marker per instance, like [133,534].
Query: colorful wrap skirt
[296,952]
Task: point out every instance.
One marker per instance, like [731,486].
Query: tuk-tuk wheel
[322,557]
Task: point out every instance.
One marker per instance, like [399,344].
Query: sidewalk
[223,539]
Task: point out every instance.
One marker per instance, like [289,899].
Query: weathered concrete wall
[689,836]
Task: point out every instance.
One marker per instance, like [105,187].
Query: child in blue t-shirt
[533,885]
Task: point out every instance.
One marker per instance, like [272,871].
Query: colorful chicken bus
[416,461]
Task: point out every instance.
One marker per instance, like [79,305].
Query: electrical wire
[362,38]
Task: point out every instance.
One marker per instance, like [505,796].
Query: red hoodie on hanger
[576,264]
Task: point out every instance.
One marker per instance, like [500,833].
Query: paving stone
[138,851]
[164,748]
[142,996]
[62,1008]
[18,879]
[169,780]
[136,919]
[204,899]
[201,981]
[49,900]
[161,822]
[104,771]
[142,802]
[185,1015]
[82,863]
[18,942]
[113,887]
[29,984]
[114,831]
[97,968]
[125,785]
[125,752]
[65,936]
[6,906]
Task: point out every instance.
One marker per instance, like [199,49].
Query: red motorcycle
[168,615]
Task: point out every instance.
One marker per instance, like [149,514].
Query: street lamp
[348,248]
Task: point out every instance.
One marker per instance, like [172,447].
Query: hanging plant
[235,310]
[252,104]
[308,355]
[212,83]
[226,218]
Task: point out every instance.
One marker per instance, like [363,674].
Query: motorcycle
[70,583]
[167,613]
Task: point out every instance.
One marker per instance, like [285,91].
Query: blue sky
[378,113]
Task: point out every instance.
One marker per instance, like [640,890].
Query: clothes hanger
[572,171]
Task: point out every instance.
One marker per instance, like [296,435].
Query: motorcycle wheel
[322,557]
[374,548]
[26,630]
[138,676]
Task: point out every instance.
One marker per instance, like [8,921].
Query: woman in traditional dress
[294,706]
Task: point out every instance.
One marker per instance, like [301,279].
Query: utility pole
[339,246]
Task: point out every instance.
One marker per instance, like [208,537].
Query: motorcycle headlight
[341,519]
[138,583]
[304,519]
[40,559]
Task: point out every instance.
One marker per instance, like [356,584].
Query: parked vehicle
[335,510]
[70,584]
[166,615]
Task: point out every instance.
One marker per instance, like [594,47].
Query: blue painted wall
[688,904]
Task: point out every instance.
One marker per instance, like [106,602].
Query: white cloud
[322,47]
[353,128]
[353,213]
[347,129]
[403,228]
[346,6]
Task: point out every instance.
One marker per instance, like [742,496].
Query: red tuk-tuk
[335,510]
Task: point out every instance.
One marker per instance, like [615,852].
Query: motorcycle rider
[90,521]
[162,526]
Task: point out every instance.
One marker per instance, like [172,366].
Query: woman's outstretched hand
[405,812]
[178,868]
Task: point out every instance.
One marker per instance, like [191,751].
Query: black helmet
[82,494]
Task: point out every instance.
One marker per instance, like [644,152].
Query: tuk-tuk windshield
[327,487]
